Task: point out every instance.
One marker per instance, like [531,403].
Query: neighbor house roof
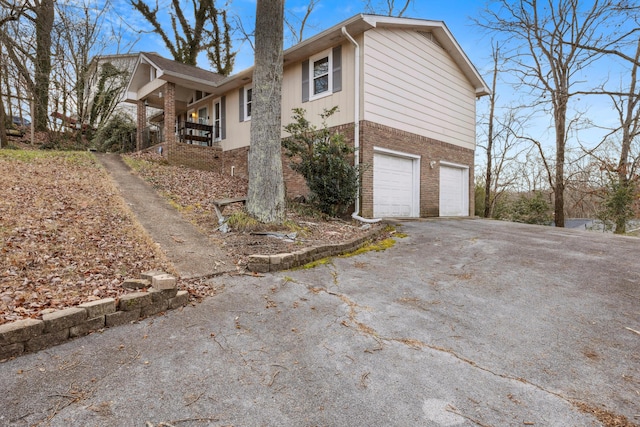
[198,78]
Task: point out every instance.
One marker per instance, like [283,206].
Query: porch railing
[195,133]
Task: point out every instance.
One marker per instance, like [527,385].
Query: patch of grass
[79,158]
[242,221]
[133,163]
[316,263]
[378,246]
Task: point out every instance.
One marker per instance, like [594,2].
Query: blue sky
[455,13]
[458,15]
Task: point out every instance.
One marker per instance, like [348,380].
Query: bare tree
[628,108]
[3,122]
[388,7]
[39,17]
[492,107]
[548,44]
[297,29]
[614,154]
[265,197]
[8,15]
[210,32]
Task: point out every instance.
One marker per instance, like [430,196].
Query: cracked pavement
[462,323]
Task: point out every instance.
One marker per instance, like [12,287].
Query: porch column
[169,114]
[142,123]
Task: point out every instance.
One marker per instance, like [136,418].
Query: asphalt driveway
[462,323]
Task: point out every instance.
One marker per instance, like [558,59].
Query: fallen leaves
[192,193]
[66,236]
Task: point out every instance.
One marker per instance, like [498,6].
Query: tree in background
[208,30]
[623,189]
[489,149]
[111,82]
[81,35]
[27,42]
[549,43]
[266,195]
[388,7]
[297,30]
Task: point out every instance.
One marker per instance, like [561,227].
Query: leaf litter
[67,237]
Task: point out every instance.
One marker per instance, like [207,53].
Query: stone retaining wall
[29,335]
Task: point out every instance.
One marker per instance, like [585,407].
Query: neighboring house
[106,80]
[404,85]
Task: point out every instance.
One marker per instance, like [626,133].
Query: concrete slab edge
[286,261]
[30,335]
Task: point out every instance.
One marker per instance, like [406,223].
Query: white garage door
[395,187]
[454,191]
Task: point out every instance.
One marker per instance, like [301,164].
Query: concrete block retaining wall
[279,262]
[29,335]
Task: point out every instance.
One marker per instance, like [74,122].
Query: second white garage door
[454,190]
[396,187]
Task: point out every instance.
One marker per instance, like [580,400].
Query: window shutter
[223,117]
[305,81]
[337,69]
[241,103]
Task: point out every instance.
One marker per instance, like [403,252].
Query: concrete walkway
[192,253]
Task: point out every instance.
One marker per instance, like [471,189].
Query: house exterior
[406,94]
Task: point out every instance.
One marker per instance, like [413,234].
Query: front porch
[169,122]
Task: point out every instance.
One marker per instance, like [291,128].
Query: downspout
[356,124]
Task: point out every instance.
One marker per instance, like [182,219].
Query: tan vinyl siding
[238,133]
[292,94]
[412,84]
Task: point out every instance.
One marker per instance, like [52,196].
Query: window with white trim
[320,77]
[248,95]
[217,121]
[322,74]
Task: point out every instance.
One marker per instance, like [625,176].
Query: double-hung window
[322,74]
[248,102]
[245,95]
[217,121]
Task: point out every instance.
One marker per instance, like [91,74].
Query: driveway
[462,323]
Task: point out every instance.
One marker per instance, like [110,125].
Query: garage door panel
[393,184]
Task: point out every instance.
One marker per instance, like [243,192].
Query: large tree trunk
[560,117]
[3,119]
[265,198]
[44,24]
[488,211]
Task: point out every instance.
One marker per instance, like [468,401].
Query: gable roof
[198,78]
[171,70]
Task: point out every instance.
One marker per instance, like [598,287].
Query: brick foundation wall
[375,135]
[371,135]
[195,156]
[236,160]
[214,159]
